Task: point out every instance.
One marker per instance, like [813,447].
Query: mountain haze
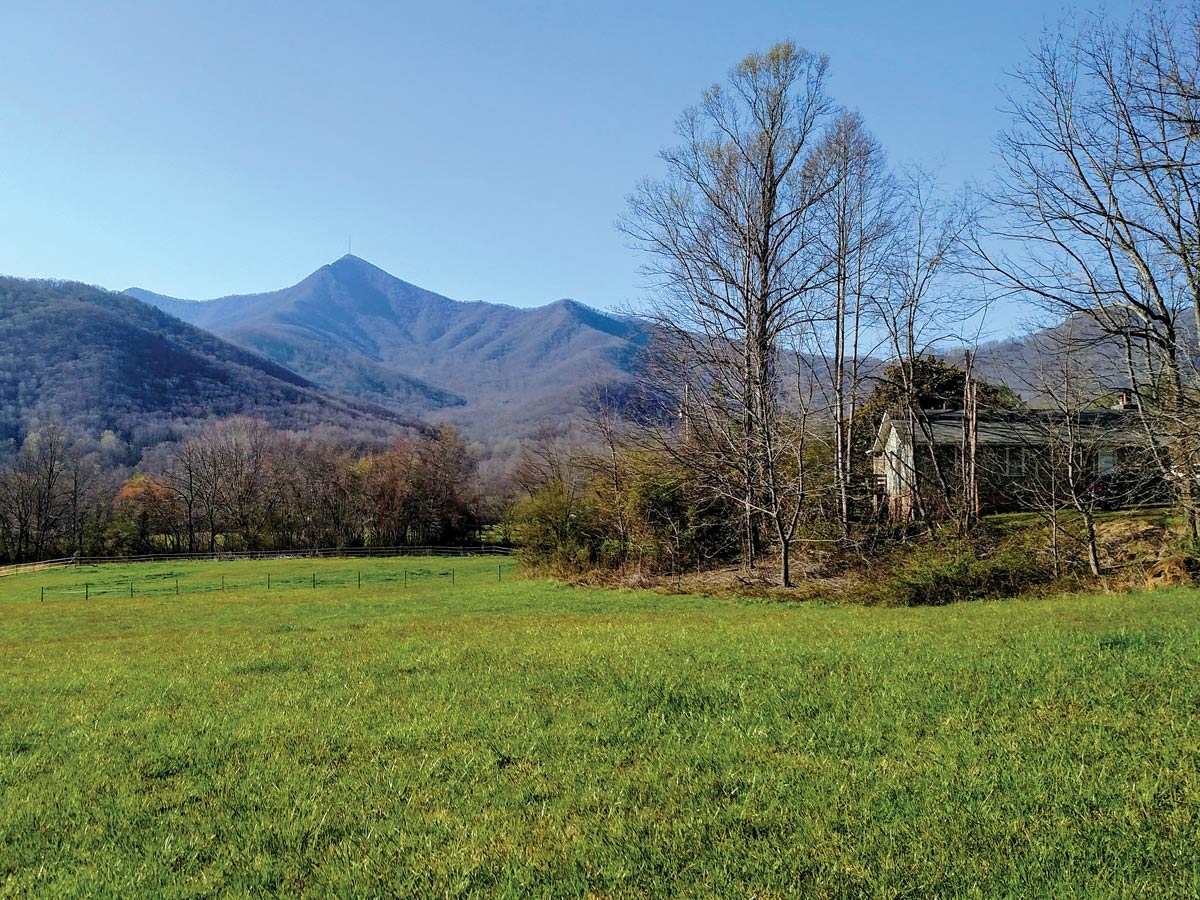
[492,369]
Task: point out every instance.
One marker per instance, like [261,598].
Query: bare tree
[732,236]
[224,480]
[34,501]
[84,489]
[923,305]
[1099,206]
[420,490]
[321,494]
[387,493]
[609,462]
[858,230]
[446,503]
[185,477]
[246,451]
[1085,446]
[1066,443]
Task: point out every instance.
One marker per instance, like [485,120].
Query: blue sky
[481,150]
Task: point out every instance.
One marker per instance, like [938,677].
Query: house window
[1106,461]
[1014,461]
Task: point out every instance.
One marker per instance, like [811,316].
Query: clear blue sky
[482,150]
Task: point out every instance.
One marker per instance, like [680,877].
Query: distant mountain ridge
[492,369]
[104,361]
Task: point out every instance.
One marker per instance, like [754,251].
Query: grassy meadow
[497,737]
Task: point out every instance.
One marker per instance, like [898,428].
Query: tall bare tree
[1099,205]
[187,479]
[858,230]
[734,255]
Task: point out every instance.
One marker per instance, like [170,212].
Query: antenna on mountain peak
[350,245]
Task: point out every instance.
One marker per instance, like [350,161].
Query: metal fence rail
[175,581]
[318,553]
[36,566]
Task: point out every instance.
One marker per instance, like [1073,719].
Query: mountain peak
[350,261]
[356,269]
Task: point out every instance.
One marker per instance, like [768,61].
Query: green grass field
[508,738]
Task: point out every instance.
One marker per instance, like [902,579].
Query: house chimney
[1125,402]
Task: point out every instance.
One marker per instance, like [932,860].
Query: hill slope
[100,360]
[1035,364]
[355,329]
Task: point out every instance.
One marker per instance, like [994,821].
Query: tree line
[240,485]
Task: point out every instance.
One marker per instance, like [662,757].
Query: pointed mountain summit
[494,370]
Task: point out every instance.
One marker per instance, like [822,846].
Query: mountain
[1034,364]
[105,361]
[493,370]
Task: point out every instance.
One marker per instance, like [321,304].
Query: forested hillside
[101,361]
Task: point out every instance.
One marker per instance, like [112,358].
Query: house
[1021,459]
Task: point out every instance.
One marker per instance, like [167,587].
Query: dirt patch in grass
[1127,542]
[1172,571]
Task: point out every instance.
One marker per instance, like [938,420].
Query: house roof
[1006,428]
